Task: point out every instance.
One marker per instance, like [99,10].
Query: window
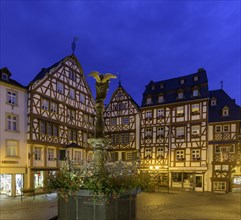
[182,81]
[49,129]
[53,107]
[180,155]
[213,101]
[160,99]
[72,75]
[125,120]
[148,133]
[224,149]
[160,153]
[180,95]
[195,130]
[82,98]
[218,128]
[195,154]
[12,122]
[12,148]
[45,104]
[4,76]
[148,153]
[37,153]
[129,156]
[12,97]
[55,130]
[148,101]
[161,86]
[50,154]
[195,92]
[180,111]
[113,121]
[180,132]
[71,93]
[72,134]
[70,113]
[195,108]
[160,113]
[225,111]
[60,87]
[127,138]
[148,114]
[195,78]
[43,127]
[160,132]
[219,185]
[153,87]
[77,155]
[226,128]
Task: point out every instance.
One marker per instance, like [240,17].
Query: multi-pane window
[160,99]
[160,153]
[180,132]
[161,86]
[225,111]
[195,108]
[160,132]
[70,113]
[72,75]
[12,97]
[60,87]
[224,149]
[180,95]
[55,130]
[72,134]
[148,113]
[182,81]
[82,98]
[218,128]
[226,128]
[12,149]
[77,155]
[219,185]
[113,121]
[148,153]
[53,107]
[12,122]
[196,154]
[37,153]
[50,154]
[71,93]
[148,133]
[180,155]
[148,101]
[49,129]
[160,113]
[122,106]
[125,120]
[45,104]
[43,128]
[195,92]
[195,130]
[180,111]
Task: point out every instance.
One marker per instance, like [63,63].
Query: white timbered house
[13,138]
[60,119]
[174,132]
[122,123]
[224,142]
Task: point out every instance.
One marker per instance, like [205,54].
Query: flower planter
[83,206]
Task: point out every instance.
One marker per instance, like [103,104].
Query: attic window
[160,99]
[180,95]
[195,92]
[225,111]
[195,78]
[148,101]
[161,86]
[153,87]
[213,101]
[182,81]
[4,76]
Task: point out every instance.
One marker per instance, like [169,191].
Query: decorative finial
[74,44]
[221,83]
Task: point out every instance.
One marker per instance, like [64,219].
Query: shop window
[148,133]
[12,98]
[160,113]
[196,156]
[50,154]
[195,108]
[219,185]
[177,177]
[60,87]
[180,155]
[38,179]
[19,183]
[148,153]
[6,184]
[12,148]
[187,180]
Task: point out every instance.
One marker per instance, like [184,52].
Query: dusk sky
[140,40]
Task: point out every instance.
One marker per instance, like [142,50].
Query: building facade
[13,138]
[224,142]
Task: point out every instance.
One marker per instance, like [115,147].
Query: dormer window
[161,86]
[148,101]
[213,101]
[4,76]
[180,95]
[182,81]
[160,99]
[225,111]
[195,78]
[153,87]
[195,92]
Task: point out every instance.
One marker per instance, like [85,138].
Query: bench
[27,191]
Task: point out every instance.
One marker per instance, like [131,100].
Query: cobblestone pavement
[150,206]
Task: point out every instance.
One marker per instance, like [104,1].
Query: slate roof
[10,81]
[222,100]
[172,86]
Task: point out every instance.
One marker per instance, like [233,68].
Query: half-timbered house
[122,126]
[13,138]
[174,131]
[60,118]
[224,142]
